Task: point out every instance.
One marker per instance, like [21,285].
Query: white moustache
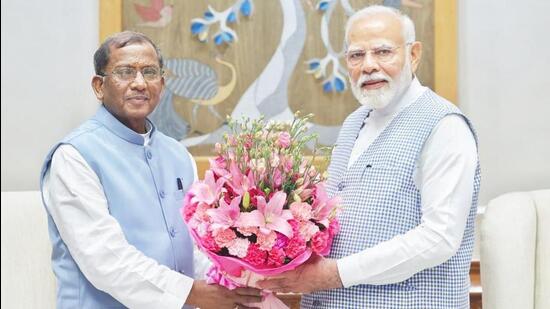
[365,78]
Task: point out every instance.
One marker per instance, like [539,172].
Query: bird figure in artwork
[157,14]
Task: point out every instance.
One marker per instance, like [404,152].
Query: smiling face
[130,101]
[385,64]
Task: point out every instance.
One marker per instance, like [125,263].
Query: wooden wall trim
[445,49]
[110,18]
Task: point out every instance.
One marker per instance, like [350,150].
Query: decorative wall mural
[251,58]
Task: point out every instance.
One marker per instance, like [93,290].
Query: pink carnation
[308,229]
[209,243]
[276,257]
[296,246]
[224,237]
[255,255]
[239,247]
[189,209]
[248,230]
[334,227]
[319,241]
[284,139]
[281,241]
[266,241]
[301,211]
[295,226]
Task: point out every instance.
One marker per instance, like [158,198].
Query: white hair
[407,25]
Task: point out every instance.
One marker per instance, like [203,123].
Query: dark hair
[119,40]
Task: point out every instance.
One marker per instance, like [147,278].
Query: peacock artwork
[247,58]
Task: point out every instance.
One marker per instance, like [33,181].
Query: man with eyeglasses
[406,166]
[113,189]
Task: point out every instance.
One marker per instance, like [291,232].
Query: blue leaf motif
[208,15]
[339,85]
[218,39]
[327,87]
[323,5]
[227,37]
[246,8]
[197,27]
[231,18]
[314,65]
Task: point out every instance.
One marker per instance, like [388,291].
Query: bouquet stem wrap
[247,279]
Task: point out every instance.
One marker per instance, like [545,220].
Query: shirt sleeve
[445,177]
[76,201]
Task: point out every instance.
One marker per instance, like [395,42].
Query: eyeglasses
[383,54]
[128,74]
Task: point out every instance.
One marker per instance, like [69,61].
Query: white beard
[382,97]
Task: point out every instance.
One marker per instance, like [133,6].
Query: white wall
[504,86]
[47,64]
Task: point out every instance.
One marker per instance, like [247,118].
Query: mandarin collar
[118,128]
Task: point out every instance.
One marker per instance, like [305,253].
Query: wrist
[195,293]
[334,280]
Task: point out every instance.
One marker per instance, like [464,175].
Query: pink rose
[319,242]
[224,237]
[296,246]
[255,255]
[284,139]
[276,257]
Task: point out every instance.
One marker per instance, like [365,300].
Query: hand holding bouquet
[262,207]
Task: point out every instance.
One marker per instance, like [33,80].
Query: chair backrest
[515,251]
[27,277]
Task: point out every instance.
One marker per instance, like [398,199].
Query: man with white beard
[406,166]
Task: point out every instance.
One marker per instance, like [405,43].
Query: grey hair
[406,23]
[119,40]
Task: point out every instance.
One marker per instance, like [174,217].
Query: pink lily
[269,216]
[323,207]
[208,190]
[218,166]
[224,216]
[240,183]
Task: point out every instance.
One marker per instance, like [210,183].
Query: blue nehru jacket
[144,187]
[381,201]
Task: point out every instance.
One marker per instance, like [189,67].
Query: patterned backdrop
[257,57]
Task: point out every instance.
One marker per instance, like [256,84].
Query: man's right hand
[207,296]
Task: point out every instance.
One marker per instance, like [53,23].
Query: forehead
[137,54]
[381,28]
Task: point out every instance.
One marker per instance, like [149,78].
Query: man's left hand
[316,274]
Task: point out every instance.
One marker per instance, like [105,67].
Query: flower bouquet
[262,208]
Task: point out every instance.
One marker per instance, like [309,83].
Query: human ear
[416,55]
[97,86]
